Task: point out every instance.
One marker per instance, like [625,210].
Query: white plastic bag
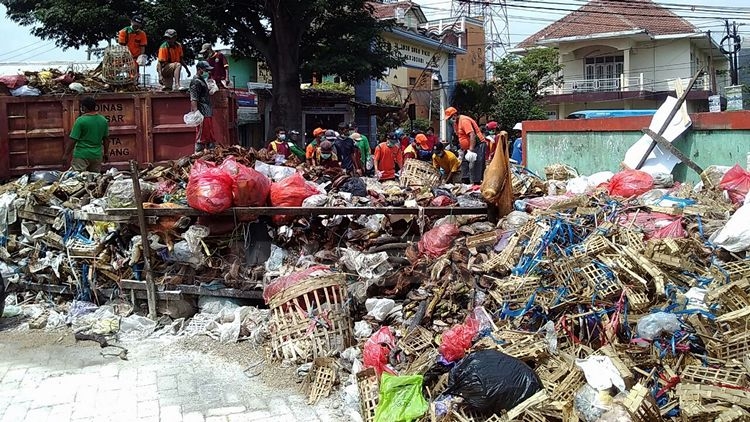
[470,156]
[142,60]
[194,118]
[212,87]
[653,325]
[735,235]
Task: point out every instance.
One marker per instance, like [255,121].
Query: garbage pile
[60,229]
[621,297]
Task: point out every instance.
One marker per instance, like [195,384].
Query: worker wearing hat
[489,135]
[218,61]
[472,143]
[326,156]
[134,38]
[200,99]
[171,61]
[311,151]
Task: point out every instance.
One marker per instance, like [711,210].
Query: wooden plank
[307,211]
[664,143]
[36,217]
[198,290]
[145,245]
[66,289]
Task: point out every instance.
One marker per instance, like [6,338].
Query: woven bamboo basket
[419,173]
[321,379]
[118,66]
[311,319]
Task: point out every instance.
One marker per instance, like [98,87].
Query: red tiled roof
[603,16]
[388,10]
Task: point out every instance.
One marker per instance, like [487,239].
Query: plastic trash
[601,373]
[379,308]
[120,193]
[370,266]
[550,336]
[377,350]
[250,188]
[25,91]
[213,88]
[629,183]
[276,260]
[457,340]
[209,188]
[654,325]
[515,220]
[290,192]
[401,399]
[356,186]
[470,156]
[736,182]
[663,180]
[591,404]
[735,235]
[193,118]
[362,329]
[437,241]
[275,173]
[490,381]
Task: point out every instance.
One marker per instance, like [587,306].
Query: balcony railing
[623,83]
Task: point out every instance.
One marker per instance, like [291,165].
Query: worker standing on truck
[220,73]
[200,100]
[472,144]
[171,62]
[135,39]
[89,139]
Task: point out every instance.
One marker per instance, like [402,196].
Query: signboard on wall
[414,54]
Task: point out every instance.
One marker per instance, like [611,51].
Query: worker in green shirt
[88,139]
[363,144]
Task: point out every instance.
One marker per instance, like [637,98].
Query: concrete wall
[599,144]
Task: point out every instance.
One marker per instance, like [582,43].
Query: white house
[627,55]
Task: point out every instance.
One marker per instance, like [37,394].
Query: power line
[24,53]
[21,48]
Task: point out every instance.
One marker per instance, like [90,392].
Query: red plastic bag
[250,188]
[290,192]
[629,183]
[673,230]
[209,188]
[456,340]
[436,242]
[442,201]
[13,81]
[377,350]
[737,183]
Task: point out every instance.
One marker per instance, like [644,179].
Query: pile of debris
[65,229]
[618,302]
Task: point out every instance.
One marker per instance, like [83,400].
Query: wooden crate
[419,173]
[704,375]
[504,261]
[591,246]
[641,406]
[515,290]
[321,379]
[604,283]
[734,271]
[416,340]
[528,348]
[736,347]
[369,394]
[311,319]
[566,390]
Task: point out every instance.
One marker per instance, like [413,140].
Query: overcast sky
[525,18]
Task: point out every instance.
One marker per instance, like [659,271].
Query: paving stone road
[61,381]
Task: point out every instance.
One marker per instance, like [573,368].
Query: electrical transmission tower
[494,14]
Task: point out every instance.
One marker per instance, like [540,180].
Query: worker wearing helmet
[472,144]
[171,62]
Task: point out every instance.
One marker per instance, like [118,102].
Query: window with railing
[602,73]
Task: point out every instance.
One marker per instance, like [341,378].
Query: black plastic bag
[490,381]
[356,186]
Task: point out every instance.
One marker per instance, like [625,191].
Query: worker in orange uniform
[388,158]
[472,144]
[171,62]
[312,148]
[134,38]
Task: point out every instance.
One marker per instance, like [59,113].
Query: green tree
[474,98]
[291,36]
[519,81]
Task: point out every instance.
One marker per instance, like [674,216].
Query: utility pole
[733,44]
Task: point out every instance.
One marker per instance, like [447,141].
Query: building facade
[614,58]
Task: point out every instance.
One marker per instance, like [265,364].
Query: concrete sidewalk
[50,380]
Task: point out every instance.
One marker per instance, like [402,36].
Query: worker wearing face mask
[388,158]
[472,143]
[279,145]
[327,155]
